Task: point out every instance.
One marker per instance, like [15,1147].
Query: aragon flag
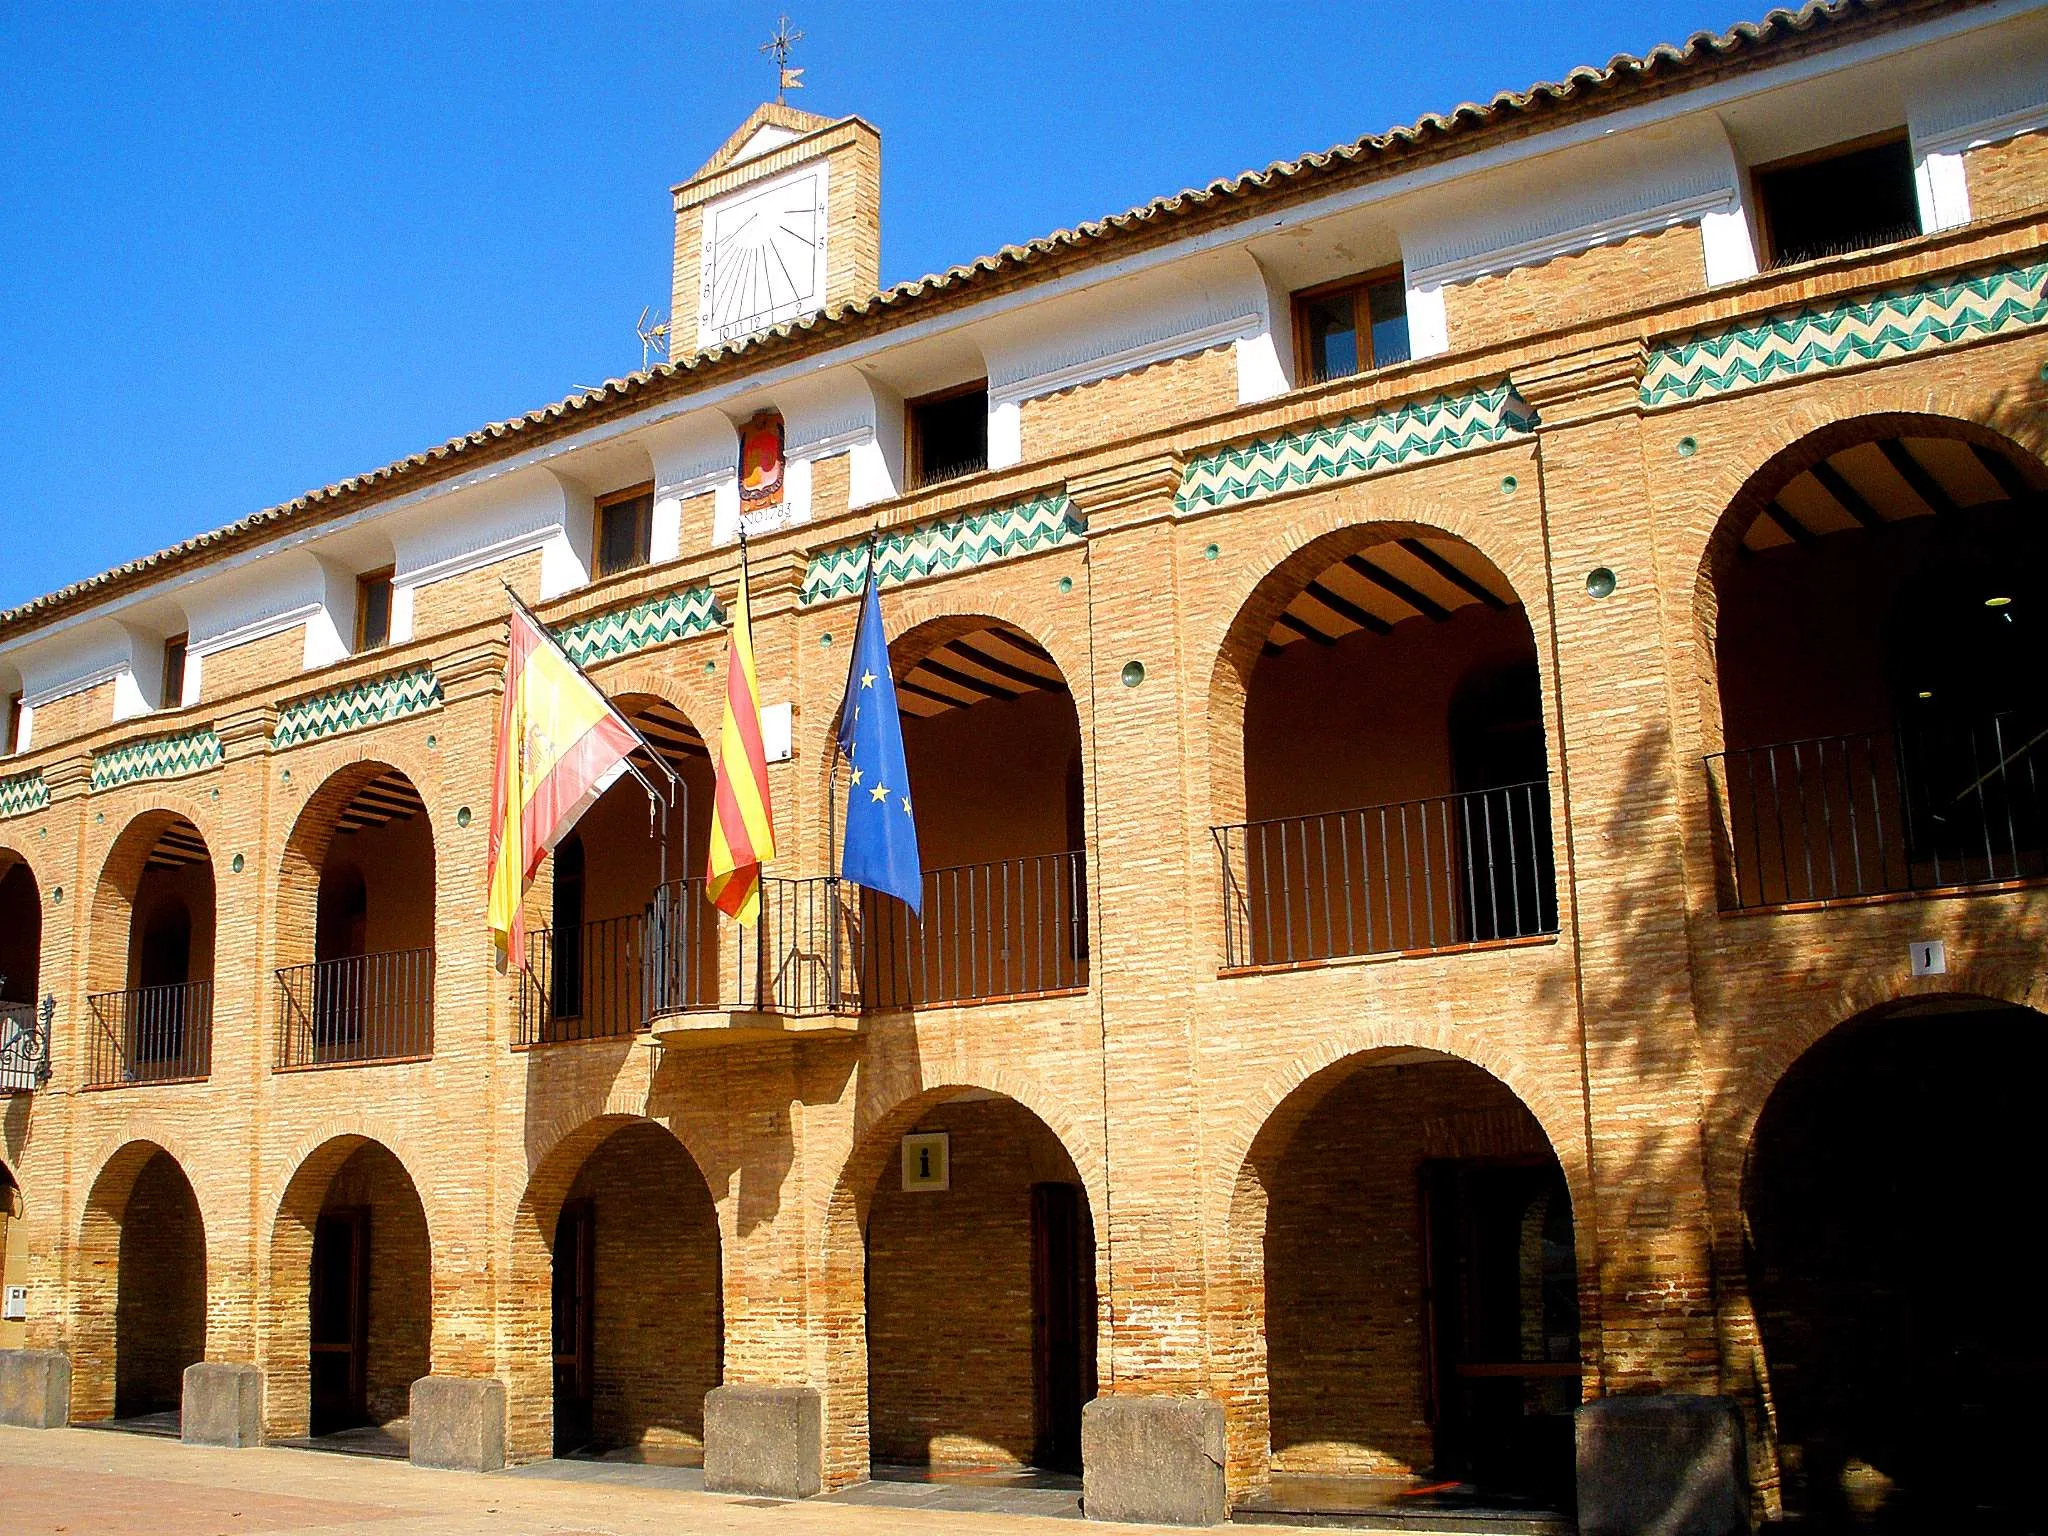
[742,829]
[561,744]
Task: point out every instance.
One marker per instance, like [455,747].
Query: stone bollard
[458,1422]
[1154,1460]
[1662,1466]
[767,1441]
[223,1405]
[35,1388]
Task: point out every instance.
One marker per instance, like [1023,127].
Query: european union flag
[881,836]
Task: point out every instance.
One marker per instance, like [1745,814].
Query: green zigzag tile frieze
[1804,341]
[1356,446]
[933,549]
[23,793]
[671,616]
[161,757]
[355,707]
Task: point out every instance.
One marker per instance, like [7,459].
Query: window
[174,673]
[373,610]
[10,726]
[948,434]
[625,529]
[1348,327]
[1846,198]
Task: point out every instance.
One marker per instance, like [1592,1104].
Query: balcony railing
[24,1047]
[356,1009]
[1875,813]
[1413,875]
[607,978]
[1012,928]
[150,1035]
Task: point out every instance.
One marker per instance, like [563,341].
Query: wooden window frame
[364,582]
[598,569]
[1359,284]
[1767,240]
[167,696]
[913,435]
[10,726]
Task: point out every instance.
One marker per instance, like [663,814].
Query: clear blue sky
[247,250]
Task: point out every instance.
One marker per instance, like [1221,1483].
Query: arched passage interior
[356,923]
[142,1299]
[352,1272]
[21,931]
[637,1324]
[1894,1237]
[152,955]
[1421,1292]
[1880,623]
[992,746]
[584,973]
[1382,731]
[980,1293]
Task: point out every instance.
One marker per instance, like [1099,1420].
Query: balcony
[150,1035]
[823,953]
[24,1047]
[1408,877]
[356,1009]
[1877,813]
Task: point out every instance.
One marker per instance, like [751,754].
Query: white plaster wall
[515,514]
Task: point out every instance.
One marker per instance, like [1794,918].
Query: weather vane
[786,79]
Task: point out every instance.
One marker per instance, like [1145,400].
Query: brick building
[1482,800]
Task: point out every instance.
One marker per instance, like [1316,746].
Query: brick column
[1154,1416]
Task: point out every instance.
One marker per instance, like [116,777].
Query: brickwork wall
[2006,178]
[1130,403]
[1646,269]
[74,715]
[656,1315]
[831,486]
[160,1318]
[949,1293]
[234,671]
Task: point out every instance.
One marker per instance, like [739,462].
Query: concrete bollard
[223,1405]
[35,1388]
[767,1441]
[1155,1460]
[1674,1466]
[458,1422]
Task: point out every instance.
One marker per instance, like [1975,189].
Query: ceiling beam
[1777,513]
[1344,608]
[978,685]
[1915,474]
[1470,585]
[1851,499]
[1386,581]
[1305,629]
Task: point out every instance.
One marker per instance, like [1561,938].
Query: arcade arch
[141,1300]
[151,955]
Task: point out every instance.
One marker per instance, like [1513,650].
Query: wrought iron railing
[800,959]
[358,1008]
[1008,928]
[25,1046]
[1875,813]
[150,1035]
[1413,875]
[609,978]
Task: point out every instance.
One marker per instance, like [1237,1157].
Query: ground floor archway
[142,1303]
[352,1270]
[1419,1293]
[980,1294]
[637,1324]
[1894,1226]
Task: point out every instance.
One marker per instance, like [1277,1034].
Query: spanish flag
[742,830]
[561,744]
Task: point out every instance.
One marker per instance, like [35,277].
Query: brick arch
[699,702]
[1258,1135]
[109,930]
[12,856]
[562,1150]
[284,1320]
[1277,570]
[101,1292]
[1813,430]
[881,1120]
[306,846]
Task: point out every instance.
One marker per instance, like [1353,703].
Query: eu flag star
[867,679]
[879,792]
[856,777]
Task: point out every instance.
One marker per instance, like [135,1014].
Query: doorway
[575,1327]
[341,1320]
[1062,1321]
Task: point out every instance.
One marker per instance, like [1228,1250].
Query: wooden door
[341,1319]
[1062,1320]
[575,1285]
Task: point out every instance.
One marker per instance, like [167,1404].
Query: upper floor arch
[21,930]
[1873,626]
[150,954]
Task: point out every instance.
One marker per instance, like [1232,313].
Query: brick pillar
[1146,879]
[1649,1226]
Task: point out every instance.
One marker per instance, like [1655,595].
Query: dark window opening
[373,610]
[10,726]
[625,530]
[1849,198]
[1352,326]
[174,673]
[948,435]
[568,979]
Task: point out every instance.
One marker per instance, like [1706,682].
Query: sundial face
[764,256]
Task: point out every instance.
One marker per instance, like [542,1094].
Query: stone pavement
[74,1482]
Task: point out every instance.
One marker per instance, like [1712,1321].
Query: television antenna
[653,339]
